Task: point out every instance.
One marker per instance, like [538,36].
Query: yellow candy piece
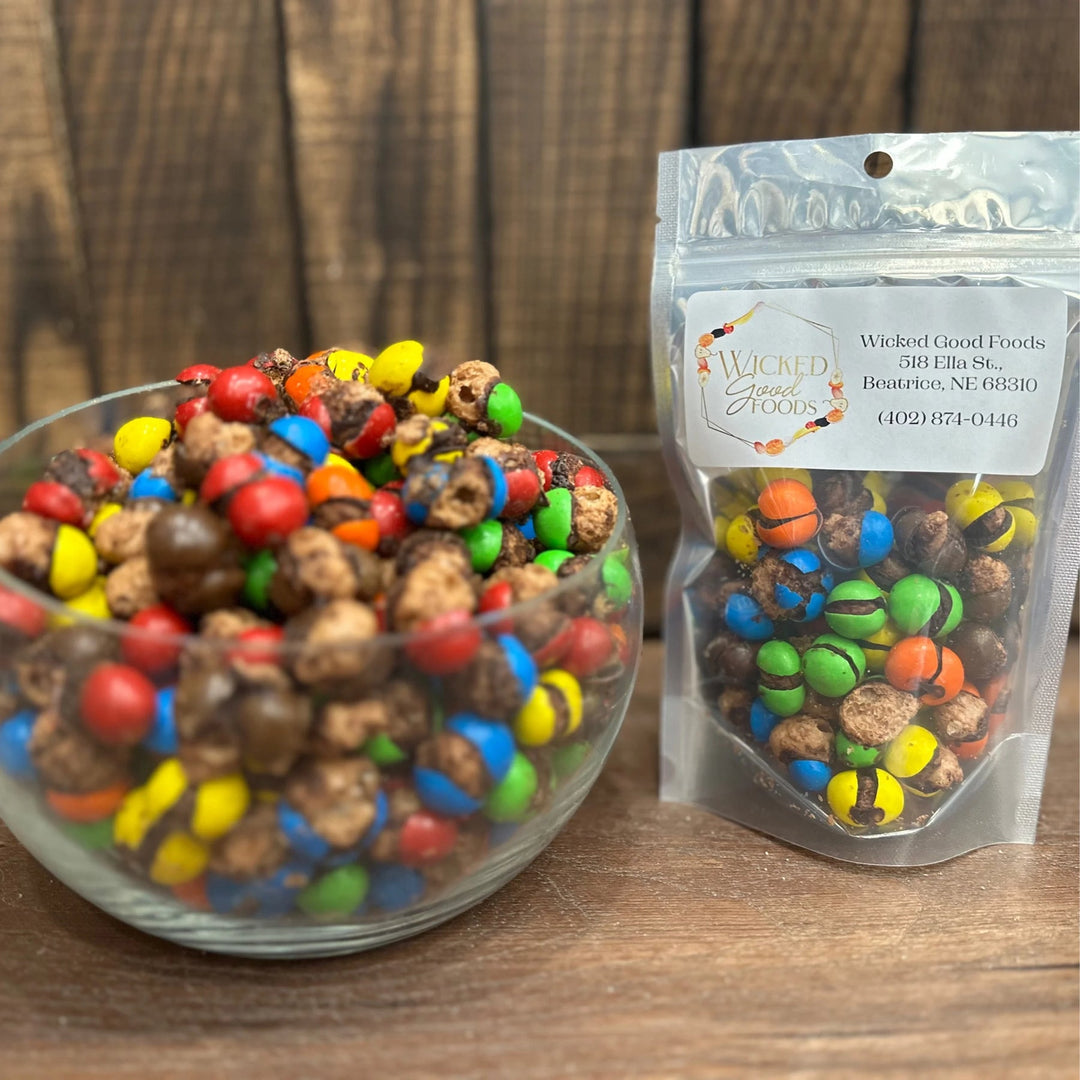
[878,483]
[105,511]
[132,820]
[139,440]
[843,794]
[911,751]
[536,723]
[179,859]
[393,369]
[1019,497]
[348,366]
[219,804]
[189,498]
[885,638]
[729,505]
[401,452]
[879,503]
[91,603]
[966,503]
[742,540]
[764,477]
[433,403]
[340,462]
[74,563]
[166,784]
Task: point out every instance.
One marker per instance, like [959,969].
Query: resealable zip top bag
[865,357]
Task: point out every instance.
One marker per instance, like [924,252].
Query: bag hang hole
[878,164]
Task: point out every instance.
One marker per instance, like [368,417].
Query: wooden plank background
[203,179]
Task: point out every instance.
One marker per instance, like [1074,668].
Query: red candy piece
[426,838]
[388,510]
[117,704]
[186,411]
[544,460]
[445,643]
[522,492]
[49,499]
[259,645]
[151,642]
[314,408]
[369,442]
[587,476]
[226,476]
[237,393]
[193,893]
[554,649]
[591,647]
[101,469]
[264,512]
[21,613]
[198,373]
[496,597]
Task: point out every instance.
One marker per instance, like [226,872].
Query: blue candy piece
[416,495]
[279,468]
[802,559]
[527,529]
[439,793]
[382,816]
[521,663]
[810,775]
[762,721]
[148,486]
[876,538]
[161,738]
[743,616]
[304,435]
[499,491]
[15,745]
[303,839]
[493,741]
[265,898]
[807,563]
[393,887]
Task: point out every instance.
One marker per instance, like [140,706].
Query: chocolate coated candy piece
[841,492]
[930,542]
[195,564]
[274,726]
[980,650]
[876,712]
[943,772]
[334,647]
[731,659]
[205,722]
[254,849]
[734,704]
[986,586]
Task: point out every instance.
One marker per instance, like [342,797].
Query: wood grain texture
[996,65]
[44,305]
[648,941]
[581,98]
[385,124]
[178,145]
[795,69]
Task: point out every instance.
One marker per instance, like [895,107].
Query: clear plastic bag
[865,356]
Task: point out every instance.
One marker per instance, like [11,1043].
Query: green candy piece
[504,409]
[856,609]
[379,470]
[553,558]
[566,760]
[384,751]
[781,687]
[511,800]
[854,755]
[94,835]
[340,892]
[554,521]
[484,542]
[834,666]
[920,605]
[261,568]
[618,584]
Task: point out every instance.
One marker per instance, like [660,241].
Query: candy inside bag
[867,391]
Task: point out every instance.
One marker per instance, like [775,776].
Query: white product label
[897,378]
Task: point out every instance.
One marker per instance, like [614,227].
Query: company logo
[769,378]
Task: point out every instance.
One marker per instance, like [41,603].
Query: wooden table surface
[648,940]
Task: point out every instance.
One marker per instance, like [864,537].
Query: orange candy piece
[921,666]
[789,516]
[298,384]
[89,807]
[336,482]
[362,532]
[971,748]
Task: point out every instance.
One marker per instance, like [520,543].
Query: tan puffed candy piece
[876,712]
[470,384]
[130,588]
[122,535]
[806,738]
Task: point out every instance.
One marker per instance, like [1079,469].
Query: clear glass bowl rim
[488,620]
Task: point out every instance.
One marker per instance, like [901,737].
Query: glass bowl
[273,884]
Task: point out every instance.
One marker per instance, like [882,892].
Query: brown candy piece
[428,589]
[594,511]
[930,542]
[334,647]
[130,588]
[399,709]
[981,651]
[942,772]
[274,727]
[734,704]
[206,727]
[43,667]
[255,848]
[194,559]
[457,758]
[731,659]
[773,570]
[875,713]
[986,588]
[801,737]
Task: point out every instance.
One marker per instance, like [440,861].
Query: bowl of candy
[302,657]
